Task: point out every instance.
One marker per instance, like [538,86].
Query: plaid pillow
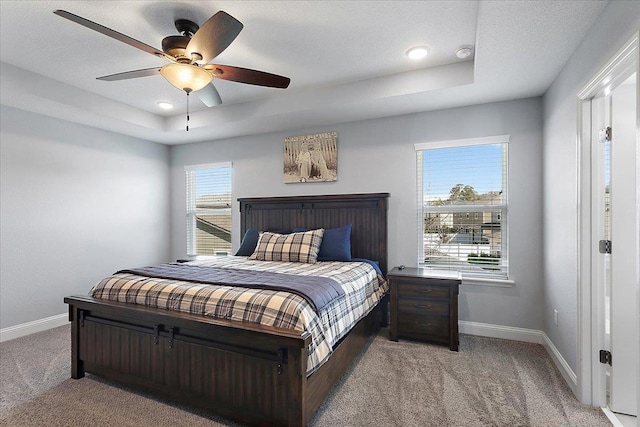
[294,247]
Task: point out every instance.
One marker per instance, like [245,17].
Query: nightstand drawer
[423,326]
[417,306]
[411,290]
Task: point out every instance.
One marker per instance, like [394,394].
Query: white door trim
[591,383]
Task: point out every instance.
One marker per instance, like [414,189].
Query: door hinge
[604,134]
[605,357]
[604,246]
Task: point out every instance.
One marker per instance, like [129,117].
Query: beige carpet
[490,382]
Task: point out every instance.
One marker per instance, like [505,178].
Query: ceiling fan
[190,55]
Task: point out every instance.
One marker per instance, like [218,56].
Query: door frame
[591,378]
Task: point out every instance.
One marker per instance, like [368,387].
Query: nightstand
[424,305]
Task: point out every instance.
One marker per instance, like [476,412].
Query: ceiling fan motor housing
[175,45]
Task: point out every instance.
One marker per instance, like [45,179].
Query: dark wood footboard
[245,372]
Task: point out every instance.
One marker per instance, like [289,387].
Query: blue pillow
[249,242]
[336,244]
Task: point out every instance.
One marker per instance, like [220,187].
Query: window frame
[191,210]
[500,278]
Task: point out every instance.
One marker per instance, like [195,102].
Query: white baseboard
[499,331]
[29,328]
[569,376]
[612,417]
[525,335]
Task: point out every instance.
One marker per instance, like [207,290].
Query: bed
[253,373]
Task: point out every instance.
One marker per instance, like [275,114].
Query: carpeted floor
[490,382]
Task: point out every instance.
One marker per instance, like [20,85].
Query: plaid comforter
[362,286]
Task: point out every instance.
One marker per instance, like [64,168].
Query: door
[615,185]
[625,259]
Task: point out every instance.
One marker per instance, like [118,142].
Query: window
[462,206]
[209,209]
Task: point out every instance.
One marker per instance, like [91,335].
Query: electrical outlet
[555,317]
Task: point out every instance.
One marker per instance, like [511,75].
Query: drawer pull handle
[423,291]
[428,306]
[428,325]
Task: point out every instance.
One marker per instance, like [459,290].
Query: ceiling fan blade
[213,37]
[209,95]
[131,74]
[112,33]
[245,75]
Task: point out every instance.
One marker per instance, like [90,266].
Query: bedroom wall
[378,156]
[77,203]
[615,26]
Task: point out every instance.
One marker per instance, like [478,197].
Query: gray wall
[76,204]
[614,27]
[378,156]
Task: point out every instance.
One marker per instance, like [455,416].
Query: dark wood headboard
[366,212]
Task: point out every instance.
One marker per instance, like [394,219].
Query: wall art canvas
[311,158]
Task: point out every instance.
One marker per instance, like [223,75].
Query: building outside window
[209,209]
[462,206]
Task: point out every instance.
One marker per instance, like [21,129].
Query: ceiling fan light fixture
[187,77]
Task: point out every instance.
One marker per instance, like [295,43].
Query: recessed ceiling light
[418,52]
[165,105]
[464,52]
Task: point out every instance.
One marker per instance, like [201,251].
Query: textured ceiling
[345,59]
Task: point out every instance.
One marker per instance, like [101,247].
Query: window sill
[477,281]
[468,279]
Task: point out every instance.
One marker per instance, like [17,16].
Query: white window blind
[209,209]
[462,206]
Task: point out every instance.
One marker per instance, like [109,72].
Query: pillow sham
[294,247]
[249,242]
[336,244]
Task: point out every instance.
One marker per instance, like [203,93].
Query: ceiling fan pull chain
[187,111]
